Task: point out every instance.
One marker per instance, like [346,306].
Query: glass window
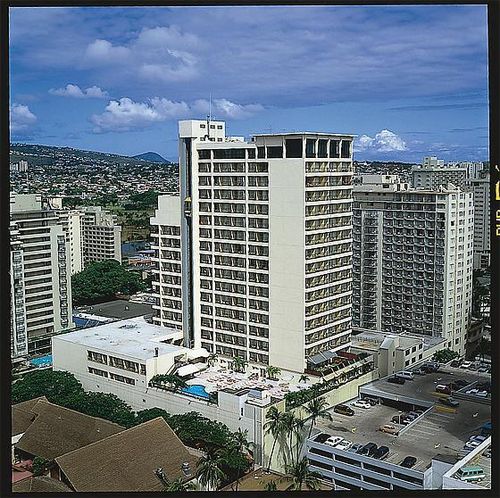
[293,147]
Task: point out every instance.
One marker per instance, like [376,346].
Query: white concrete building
[480,188]
[71,221]
[412,260]
[101,235]
[431,175]
[41,288]
[263,230]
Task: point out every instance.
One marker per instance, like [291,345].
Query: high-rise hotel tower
[254,257]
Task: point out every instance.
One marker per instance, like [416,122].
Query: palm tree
[273,372]
[209,470]
[301,476]
[212,358]
[289,424]
[270,486]
[317,408]
[180,484]
[239,364]
[304,378]
[298,431]
[273,426]
[242,446]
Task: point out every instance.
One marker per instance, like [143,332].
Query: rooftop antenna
[210,107]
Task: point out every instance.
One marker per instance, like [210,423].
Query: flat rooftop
[441,430]
[134,338]
[118,309]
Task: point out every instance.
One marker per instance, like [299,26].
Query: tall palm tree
[317,408]
[209,470]
[270,486]
[298,431]
[239,364]
[301,476]
[289,423]
[180,484]
[273,426]
[304,378]
[242,446]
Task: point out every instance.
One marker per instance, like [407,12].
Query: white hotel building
[413,253]
[254,258]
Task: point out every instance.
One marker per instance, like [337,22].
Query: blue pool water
[43,361]
[196,390]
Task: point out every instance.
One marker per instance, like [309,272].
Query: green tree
[304,378]
[274,427]
[209,470]
[55,385]
[172,380]
[270,486]
[102,405]
[240,447]
[103,280]
[212,359]
[179,485]
[317,408]
[149,414]
[40,466]
[302,477]
[239,364]
[273,372]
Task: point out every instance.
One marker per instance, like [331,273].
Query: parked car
[397,419]
[473,367]
[487,453]
[471,445]
[472,391]
[483,369]
[486,429]
[455,363]
[482,394]
[444,389]
[343,445]
[372,401]
[458,384]
[396,380]
[355,448]
[478,438]
[389,429]
[360,403]
[449,401]
[344,410]
[430,366]
[471,474]
[368,449]
[405,374]
[334,440]
[381,453]
[466,364]
[419,371]
[408,462]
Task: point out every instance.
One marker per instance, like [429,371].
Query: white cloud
[383,141]
[76,92]
[104,52]
[21,118]
[125,114]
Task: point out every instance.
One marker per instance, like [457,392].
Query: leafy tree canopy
[102,280]
[56,386]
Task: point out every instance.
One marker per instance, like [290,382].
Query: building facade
[71,222]
[263,230]
[412,260]
[431,177]
[101,236]
[40,277]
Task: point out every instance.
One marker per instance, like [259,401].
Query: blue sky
[409,81]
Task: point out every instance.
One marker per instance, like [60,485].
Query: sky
[409,81]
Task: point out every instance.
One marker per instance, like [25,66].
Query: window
[322,148]
[335,149]
[310,147]
[293,147]
[229,154]
[251,153]
[204,154]
[261,152]
[346,149]
[274,152]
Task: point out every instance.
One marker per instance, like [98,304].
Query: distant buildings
[433,174]
[40,276]
[20,167]
[254,257]
[412,261]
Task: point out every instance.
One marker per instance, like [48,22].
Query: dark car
[372,401]
[321,438]
[458,384]
[344,410]
[449,402]
[408,462]
[398,419]
[455,363]
[381,453]
[396,380]
[368,449]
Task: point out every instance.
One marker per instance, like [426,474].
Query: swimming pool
[42,361]
[196,390]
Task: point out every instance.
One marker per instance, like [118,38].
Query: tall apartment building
[71,222]
[40,280]
[433,174]
[254,257]
[412,265]
[101,236]
[480,188]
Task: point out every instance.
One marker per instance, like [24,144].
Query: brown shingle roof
[127,461]
[57,430]
[42,484]
[22,416]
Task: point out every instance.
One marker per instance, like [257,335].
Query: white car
[361,404]
[472,444]
[482,394]
[343,445]
[334,440]
[466,364]
[472,391]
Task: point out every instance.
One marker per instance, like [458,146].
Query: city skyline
[398,77]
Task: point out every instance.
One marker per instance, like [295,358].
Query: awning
[319,358]
[191,369]
[197,353]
